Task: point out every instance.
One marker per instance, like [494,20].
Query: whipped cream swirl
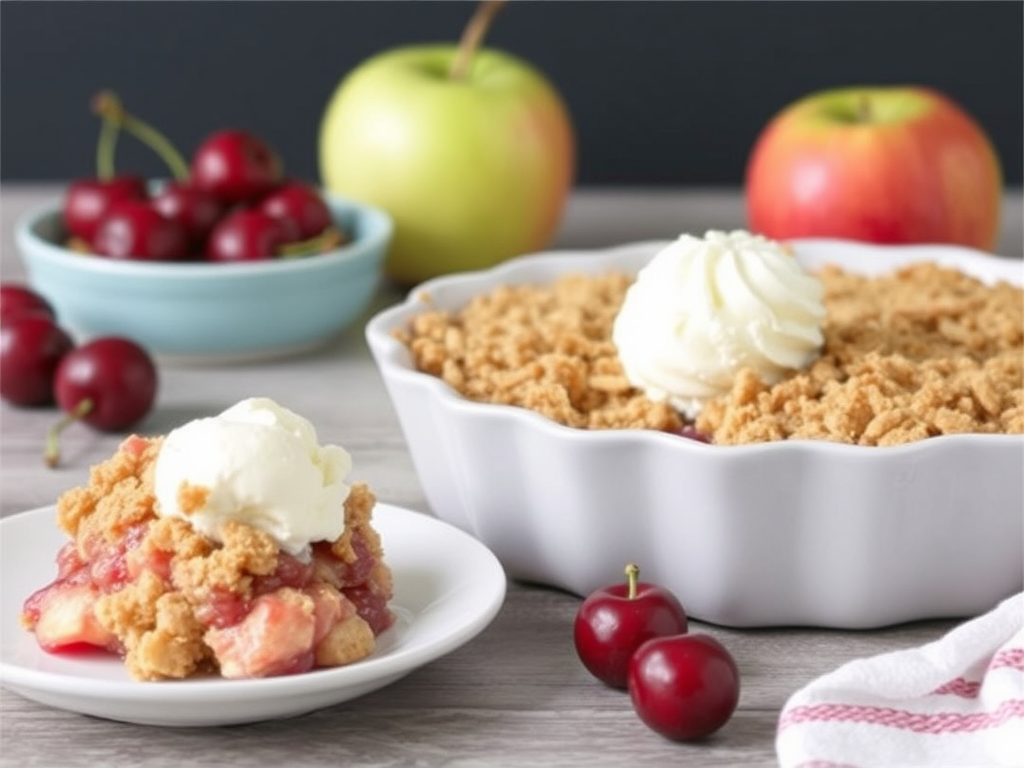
[705,308]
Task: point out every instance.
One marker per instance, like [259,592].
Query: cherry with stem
[108,105]
[109,383]
[193,209]
[88,200]
[612,622]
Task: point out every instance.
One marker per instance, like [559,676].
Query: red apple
[684,686]
[614,621]
[876,164]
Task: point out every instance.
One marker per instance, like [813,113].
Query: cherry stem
[331,237]
[106,148]
[108,106]
[632,575]
[52,454]
[473,36]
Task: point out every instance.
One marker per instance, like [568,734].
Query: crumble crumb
[546,348]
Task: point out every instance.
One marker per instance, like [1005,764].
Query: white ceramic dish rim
[460,609]
[392,355]
[379,226]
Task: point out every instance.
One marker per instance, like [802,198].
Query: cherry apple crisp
[922,351]
[176,604]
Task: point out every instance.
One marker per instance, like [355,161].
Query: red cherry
[614,621]
[246,234]
[301,208]
[236,166]
[136,230]
[196,210]
[87,200]
[690,432]
[31,348]
[684,686]
[114,375]
[16,300]
[110,383]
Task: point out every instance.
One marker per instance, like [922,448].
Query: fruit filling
[176,603]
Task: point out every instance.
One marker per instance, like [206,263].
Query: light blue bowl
[203,312]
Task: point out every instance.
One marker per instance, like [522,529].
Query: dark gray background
[661,92]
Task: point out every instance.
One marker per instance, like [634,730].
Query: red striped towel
[958,701]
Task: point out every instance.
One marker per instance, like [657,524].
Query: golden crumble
[922,351]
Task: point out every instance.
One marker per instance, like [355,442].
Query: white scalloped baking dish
[785,533]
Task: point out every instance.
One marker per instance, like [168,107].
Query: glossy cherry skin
[236,166]
[17,300]
[692,433]
[246,234]
[684,687]
[115,374]
[32,346]
[610,625]
[300,207]
[88,200]
[137,231]
[196,210]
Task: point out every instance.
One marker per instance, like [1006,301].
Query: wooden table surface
[515,695]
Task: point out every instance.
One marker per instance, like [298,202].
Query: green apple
[471,150]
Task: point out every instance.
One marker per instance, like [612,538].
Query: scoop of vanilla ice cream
[259,464]
[704,308]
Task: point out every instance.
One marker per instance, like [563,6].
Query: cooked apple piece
[275,637]
[63,617]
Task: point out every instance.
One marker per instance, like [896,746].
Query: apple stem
[109,107]
[473,37]
[632,575]
[332,237]
[52,453]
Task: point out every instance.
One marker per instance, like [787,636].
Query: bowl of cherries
[229,258]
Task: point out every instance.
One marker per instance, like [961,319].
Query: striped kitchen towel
[958,701]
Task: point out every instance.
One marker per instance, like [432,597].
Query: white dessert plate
[448,588]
